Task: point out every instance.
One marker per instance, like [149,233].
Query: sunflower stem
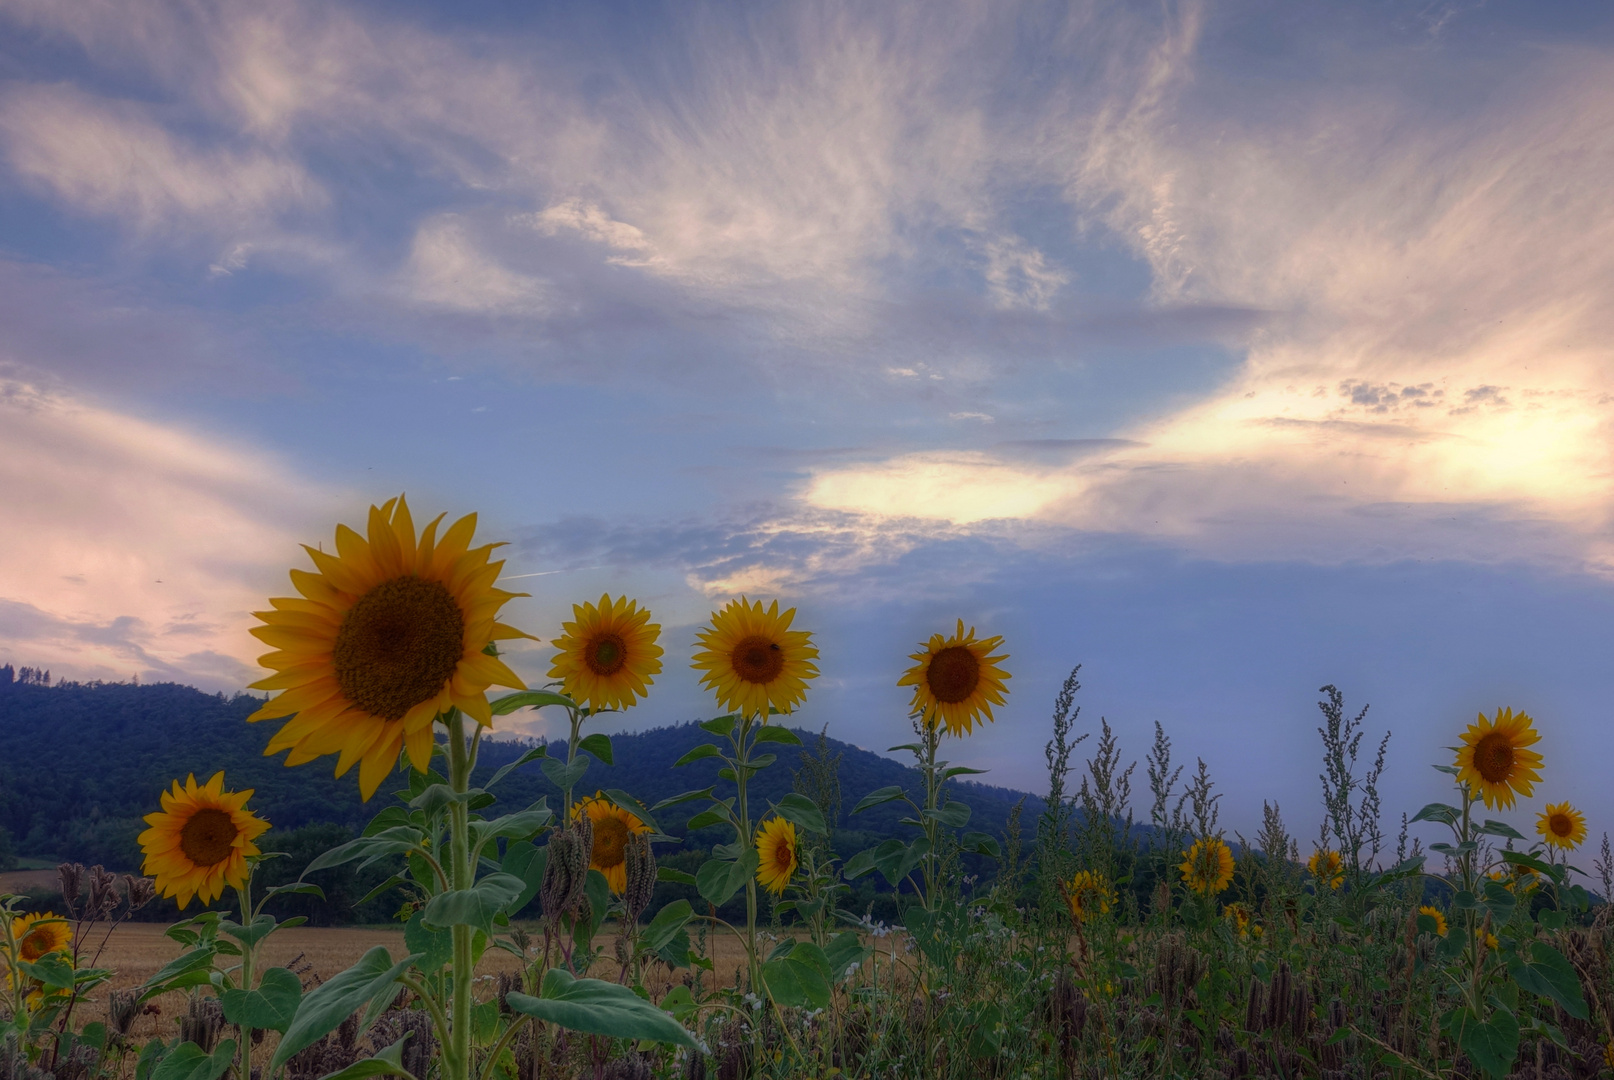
[457,1052]
[244,894]
[932,793]
[742,757]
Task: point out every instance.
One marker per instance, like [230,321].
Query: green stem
[457,1050]
[742,757]
[932,793]
[244,894]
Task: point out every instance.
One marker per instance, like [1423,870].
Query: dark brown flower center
[208,837]
[1493,758]
[954,673]
[610,842]
[605,654]
[1560,825]
[36,943]
[784,854]
[757,660]
[399,643]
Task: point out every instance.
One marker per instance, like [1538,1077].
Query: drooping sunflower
[201,840]
[1517,879]
[1437,915]
[1239,916]
[388,633]
[37,935]
[1562,826]
[1493,760]
[1207,867]
[612,826]
[752,659]
[1086,895]
[1327,867]
[956,680]
[776,854]
[607,654]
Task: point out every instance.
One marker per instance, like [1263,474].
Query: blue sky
[1225,349]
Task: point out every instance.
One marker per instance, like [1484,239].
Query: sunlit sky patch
[1226,349]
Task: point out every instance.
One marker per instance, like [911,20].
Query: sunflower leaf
[719,879]
[525,860]
[535,754]
[1436,811]
[1493,827]
[632,805]
[562,775]
[961,770]
[261,927]
[596,1007]
[954,815]
[271,1006]
[802,811]
[327,1005]
[981,843]
[875,798]
[186,963]
[299,888]
[475,906]
[187,1061]
[846,953]
[393,841]
[386,886]
[536,699]
[1549,975]
[668,921]
[704,819]
[720,726]
[433,947]
[522,825]
[677,877]
[388,1062]
[598,891]
[778,734]
[688,796]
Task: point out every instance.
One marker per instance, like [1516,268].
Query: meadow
[1116,933]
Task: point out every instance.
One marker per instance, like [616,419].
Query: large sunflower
[1438,916]
[36,935]
[612,826]
[201,840]
[1562,826]
[387,634]
[1493,760]
[1207,867]
[776,854]
[607,654]
[1327,867]
[956,680]
[1087,894]
[753,660]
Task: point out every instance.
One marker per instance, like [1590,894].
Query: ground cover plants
[1110,940]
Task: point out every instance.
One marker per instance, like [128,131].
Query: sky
[1225,349]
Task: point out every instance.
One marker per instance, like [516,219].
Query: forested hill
[80,764]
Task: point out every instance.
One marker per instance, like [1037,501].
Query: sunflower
[1207,867]
[201,840]
[1515,878]
[753,660]
[388,633]
[36,935]
[776,854]
[956,680]
[1087,894]
[1562,826]
[1239,916]
[1327,867]
[1437,915]
[1493,760]
[607,654]
[612,827]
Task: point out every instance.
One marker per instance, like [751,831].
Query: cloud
[447,269]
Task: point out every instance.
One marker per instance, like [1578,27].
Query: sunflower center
[605,654]
[208,837]
[35,943]
[610,842]
[1493,758]
[1560,825]
[954,673]
[399,643]
[757,660]
[784,856]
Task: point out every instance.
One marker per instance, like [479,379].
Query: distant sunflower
[1562,826]
[776,854]
[201,840]
[1493,761]
[37,935]
[1437,915]
[1207,867]
[753,660]
[387,634]
[1239,916]
[1515,878]
[607,654]
[612,827]
[1327,867]
[1087,894]
[956,680]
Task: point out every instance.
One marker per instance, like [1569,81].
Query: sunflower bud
[641,868]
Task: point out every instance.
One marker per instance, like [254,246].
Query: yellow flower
[387,634]
[1240,917]
[1437,915]
[612,826]
[1516,878]
[1493,761]
[201,840]
[607,654]
[1327,867]
[1207,867]
[1087,894]
[776,854]
[37,935]
[956,680]
[1562,826]
[753,660]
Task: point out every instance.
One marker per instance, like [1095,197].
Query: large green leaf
[188,963]
[595,1007]
[562,775]
[187,1061]
[522,825]
[668,921]
[846,954]
[954,815]
[327,1005]
[778,734]
[1550,975]
[261,927]
[532,755]
[598,744]
[1492,1044]
[1440,812]
[391,841]
[699,753]
[800,977]
[719,879]
[536,699]
[802,811]
[434,947]
[875,798]
[526,861]
[272,1005]
[388,1062]
[475,906]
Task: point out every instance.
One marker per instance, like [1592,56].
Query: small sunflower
[1207,867]
[607,654]
[390,632]
[1493,760]
[1087,894]
[1562,826]
[201,840]
[1437,915]
[1239,916]
[956,680]
[753,660]
[1517,879]
[37,935]
[1327,867]
[612,827]
[776,854]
